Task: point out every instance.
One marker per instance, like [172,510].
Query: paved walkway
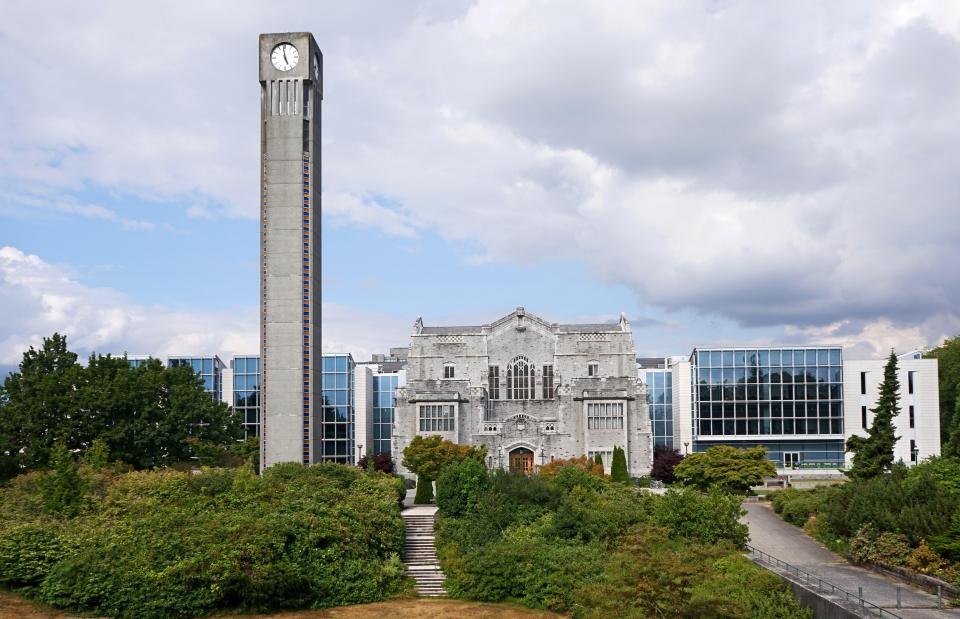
[786,542]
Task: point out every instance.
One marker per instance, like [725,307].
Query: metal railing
[808,578]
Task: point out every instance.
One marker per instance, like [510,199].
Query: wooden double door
[521,461]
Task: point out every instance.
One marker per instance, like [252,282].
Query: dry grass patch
[416,609]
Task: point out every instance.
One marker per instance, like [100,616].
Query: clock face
[285,56]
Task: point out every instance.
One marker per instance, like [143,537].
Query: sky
[723,173]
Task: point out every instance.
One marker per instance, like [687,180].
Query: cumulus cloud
[40,298]
[764,165]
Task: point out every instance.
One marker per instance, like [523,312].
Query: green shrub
[651,574]
[424,495]
[710,518]
[171,544]
[568,477]
[599,549]
[460,486]
[62,488]
[889,548]
[28,552]
[618,469]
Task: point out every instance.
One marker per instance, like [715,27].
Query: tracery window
[520,379]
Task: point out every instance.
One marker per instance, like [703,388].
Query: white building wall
[363,409]
[682,407]
[925,399]
[226,386]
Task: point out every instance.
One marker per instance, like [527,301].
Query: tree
[618,469]
[381,462]
[664,460]
[424,494]
[952,446]
[460,486]
[154,416]
[729,468]
[146,416]
[873,455]
[948,358]
[598,459]
[62,488]
[41,406]
[98,455]
[427,455]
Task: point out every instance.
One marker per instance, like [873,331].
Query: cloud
[765,166]
[40,298]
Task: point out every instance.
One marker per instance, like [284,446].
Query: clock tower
[291,89]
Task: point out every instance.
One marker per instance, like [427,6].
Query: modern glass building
[384,395]
[659,381]
[209,369]
[790,400]
[334,438]
[246,392]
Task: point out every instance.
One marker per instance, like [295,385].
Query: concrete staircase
[419,551]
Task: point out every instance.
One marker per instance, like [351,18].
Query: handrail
[821,584]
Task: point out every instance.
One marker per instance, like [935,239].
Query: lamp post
[359,452]
[686,450]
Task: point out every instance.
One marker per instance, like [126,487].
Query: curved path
[786,542]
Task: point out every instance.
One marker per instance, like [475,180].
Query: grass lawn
[12,606]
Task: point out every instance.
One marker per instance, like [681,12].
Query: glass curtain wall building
[790,400]
[334,440]
[660,403]
[384,394]
[209,369]
[246,392]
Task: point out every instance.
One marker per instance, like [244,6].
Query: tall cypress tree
[873,455]
[618,469]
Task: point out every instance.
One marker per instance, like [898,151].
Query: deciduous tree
[664,460]
[726,467]
[146,416]
[427,455]
[948,358]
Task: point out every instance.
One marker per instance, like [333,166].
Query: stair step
[420,555]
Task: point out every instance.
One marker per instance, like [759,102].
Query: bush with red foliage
[381,462]
[664,459]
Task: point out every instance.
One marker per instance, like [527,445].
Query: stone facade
[491,385]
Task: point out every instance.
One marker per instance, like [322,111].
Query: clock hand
[285,55]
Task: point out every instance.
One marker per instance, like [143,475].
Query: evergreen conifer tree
[873,455]
[424,494]
[618,470]
[598,459]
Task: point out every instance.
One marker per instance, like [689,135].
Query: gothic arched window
[520,379]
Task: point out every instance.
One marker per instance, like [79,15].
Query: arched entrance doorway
[521,461]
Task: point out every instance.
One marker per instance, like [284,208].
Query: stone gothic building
[531,391]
